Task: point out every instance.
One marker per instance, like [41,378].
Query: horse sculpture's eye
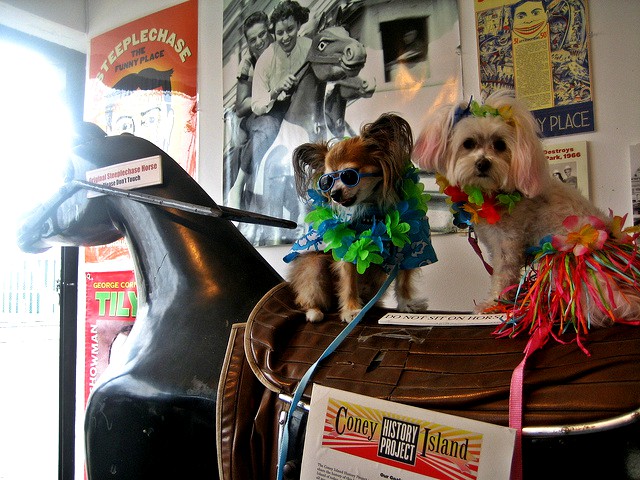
[322,44]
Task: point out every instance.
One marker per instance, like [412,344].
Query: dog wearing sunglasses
[357,181]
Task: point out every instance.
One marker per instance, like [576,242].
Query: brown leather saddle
[463,371]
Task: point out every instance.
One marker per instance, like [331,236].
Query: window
[42,88]
[404,47]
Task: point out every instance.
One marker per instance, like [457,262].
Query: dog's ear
[391,134]
[529,165]
[389,142]
[431,149]
[308,162]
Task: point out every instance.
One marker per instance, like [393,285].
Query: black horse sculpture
[153,416]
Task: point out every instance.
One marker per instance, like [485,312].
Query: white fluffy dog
[495,149]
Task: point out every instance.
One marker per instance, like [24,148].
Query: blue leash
[297,395]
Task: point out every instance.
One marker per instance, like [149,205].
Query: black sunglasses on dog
[350,177]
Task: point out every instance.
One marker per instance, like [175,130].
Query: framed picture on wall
[440,215]
[407,59]
[568,163]
[541,50]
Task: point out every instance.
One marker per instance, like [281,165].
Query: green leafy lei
[371,243]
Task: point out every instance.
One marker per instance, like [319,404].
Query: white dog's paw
[415,305]
[347,315]
[314,315]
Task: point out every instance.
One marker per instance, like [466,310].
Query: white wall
[458,278]
[57,21]
[68,13]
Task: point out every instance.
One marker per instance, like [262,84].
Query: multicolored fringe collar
[401,235]
[570,275]
[470,205]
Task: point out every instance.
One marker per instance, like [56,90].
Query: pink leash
[535,342]
[515,416]
[473,241]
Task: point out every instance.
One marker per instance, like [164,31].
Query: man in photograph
[569,177]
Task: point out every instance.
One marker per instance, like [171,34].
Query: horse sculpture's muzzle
[334,46]
[354,57]
[39,223]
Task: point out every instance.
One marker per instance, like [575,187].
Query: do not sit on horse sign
[351,436]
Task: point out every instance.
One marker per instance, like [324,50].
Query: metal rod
[152,199]
[253,217]
[582,428]
[216,211]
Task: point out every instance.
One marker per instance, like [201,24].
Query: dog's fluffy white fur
[498,155]
[382,147]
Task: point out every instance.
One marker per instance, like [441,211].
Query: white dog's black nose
[483,165]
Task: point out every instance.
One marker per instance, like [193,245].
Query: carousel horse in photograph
[341,95]
[333,56]
[153,415]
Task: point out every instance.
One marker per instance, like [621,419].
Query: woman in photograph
[274,78]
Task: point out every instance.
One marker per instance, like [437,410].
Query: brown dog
[361,180]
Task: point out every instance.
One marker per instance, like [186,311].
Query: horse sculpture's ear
[308,161]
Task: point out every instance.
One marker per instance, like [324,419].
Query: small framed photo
[440,216]
[569,164]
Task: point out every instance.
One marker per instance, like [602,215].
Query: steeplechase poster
[143,81]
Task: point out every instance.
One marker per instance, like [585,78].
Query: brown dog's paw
[347,315]
[314,315]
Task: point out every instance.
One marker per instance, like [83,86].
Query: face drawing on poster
[529,19]
[140,104]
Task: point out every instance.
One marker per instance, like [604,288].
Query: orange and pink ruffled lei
[571,274]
